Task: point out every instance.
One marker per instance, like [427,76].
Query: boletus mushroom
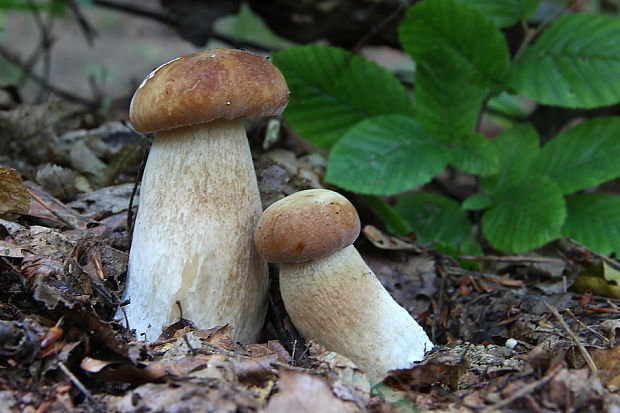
[199,199]
[328,290]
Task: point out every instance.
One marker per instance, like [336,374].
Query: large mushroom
[199,199]
[328,290]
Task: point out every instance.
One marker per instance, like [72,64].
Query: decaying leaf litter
[511,334]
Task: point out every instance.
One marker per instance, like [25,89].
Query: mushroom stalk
[199,184]
[337,300]
[328,290]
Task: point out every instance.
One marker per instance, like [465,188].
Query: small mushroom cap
[208,85]
[306,225]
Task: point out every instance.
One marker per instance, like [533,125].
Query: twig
[524,391]
[167,19]
[377,28]
[529,37]
[46,44]
[512,259]
[12,58]
[611,262]
[596,333]
[580,346]
[130,219]
[51,210]
[137,11]
[87,29]
[76,382]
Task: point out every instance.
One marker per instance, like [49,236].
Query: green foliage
[246,25]
[332,90]
[583,156]
[381,145]
[525,215]
[394,222]
[456,27]
[574,63]
[385,155]
[435,218]
[594,220]
[505,13]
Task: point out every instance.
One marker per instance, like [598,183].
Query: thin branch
[611,262]
[574,337]
[87,29]
[524,391]
[167,19]
[12,58]
[46,46]
[137,11]
[512,259]
[529,37]
[76,382]
[377,28]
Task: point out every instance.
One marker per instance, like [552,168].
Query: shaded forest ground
[512,334]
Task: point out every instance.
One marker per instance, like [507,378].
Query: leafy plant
[381,143]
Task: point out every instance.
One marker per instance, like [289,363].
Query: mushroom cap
[208,85]
[306,225]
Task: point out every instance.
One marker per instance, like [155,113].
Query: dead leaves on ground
[14,196]
[63,265]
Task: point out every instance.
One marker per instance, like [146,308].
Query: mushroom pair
[328,290]
[199,199]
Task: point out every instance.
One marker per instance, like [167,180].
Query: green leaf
[332,90]
[515,107]
[525,215]
[477,202]
[247,25]
[385,155]
[386,212]
[583,156]
[453,25]
[447,102]
[574,63]
[594,220]
[475,154]
[435,218]
[505,13]
[518,148]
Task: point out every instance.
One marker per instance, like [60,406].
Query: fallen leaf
[14,196]
[601,279]
[608,362]
[306,393]
[44,205]
[199,395]
[58,181]
[389,242]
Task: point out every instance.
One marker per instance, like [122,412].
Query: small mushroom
[328,290]
[199,199]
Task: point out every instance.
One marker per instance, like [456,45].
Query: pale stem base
[192,241]
[339,301]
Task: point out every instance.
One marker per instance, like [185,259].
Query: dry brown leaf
[306,393]
[14,197]
[44,205]
[608,362]
[389,242]
[186,396]
[565,388]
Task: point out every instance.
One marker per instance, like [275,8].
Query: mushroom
[199,199]
[328,290]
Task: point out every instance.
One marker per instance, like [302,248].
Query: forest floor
[511,332]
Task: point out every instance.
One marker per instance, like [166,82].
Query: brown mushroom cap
[306,225]
[208,85]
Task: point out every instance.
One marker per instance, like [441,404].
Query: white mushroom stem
[338,301]
[192,240]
